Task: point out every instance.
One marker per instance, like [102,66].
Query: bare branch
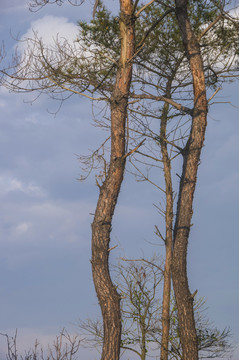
[211,97]
[65,347]
[75,91]
[112,248]
[158,233]
[131,349]
[146,261]
[95,8]
[163,98]
[146,178]
[135,149]
[143,8]
[204,32]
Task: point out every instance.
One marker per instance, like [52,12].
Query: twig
[95,8]
[144,260]
[180,107]
[194,294]
[209,27]
[112,248]
[76,92]
[136,148]
[143,8]
[146,178]
[214,94]
[159,233]
[152,27]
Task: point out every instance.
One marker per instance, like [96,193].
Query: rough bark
[191,157]
[108,297]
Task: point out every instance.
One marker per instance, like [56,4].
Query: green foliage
[160,52]
[103,31]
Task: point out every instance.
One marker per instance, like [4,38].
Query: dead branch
[211,97]
[143,8]
[112,248]
[146,178]
[146,261]
[180,107]
[205,31]
[135,149]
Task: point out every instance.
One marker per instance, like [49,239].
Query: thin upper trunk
[169,232]
[191,157]
[108,297]
[143,342]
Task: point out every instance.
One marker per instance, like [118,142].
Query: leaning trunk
[191,157]
[108,297]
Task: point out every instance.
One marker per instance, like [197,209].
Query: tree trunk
[169,227]
[108,297]
[191,155]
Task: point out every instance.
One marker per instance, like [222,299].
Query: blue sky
[45,216]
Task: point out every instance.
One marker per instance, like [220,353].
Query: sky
[45,212]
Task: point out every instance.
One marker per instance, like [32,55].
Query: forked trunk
[192,151]
[108,297]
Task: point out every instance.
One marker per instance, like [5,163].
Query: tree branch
[136,148]
[209,27]
[146,261]
[152,27]
[180,107]
[143,8]
[75,91]
[214,94]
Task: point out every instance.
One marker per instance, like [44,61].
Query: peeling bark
[191,158]
[108,297]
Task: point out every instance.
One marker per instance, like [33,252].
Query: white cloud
[9,184]
[45,223]
[234,12]
[58,39]
[33,118]
[59,222]
[22,228]
[51,29]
